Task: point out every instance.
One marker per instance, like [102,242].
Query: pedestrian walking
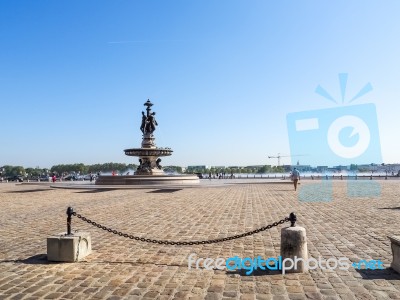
[295,177]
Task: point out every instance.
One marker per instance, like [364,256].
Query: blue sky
[223,76]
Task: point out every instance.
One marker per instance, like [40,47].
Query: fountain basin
[156,152]
[147,180]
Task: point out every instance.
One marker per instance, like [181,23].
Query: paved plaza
[121,268]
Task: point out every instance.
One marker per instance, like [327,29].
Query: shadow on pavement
[397,208]
[39,259]
[165,191]
[388,274]
[29,191]
[95,191]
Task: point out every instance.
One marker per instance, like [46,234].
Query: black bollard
[70,211]
[293,219]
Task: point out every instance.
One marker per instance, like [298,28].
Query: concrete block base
[396,252]
[294,246]
[69,248]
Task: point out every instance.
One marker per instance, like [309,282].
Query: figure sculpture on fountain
[149,161]
[148,126]
[151,123]
[143,126]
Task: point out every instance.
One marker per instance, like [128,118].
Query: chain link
[132,237]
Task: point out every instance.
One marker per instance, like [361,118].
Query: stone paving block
[296,296]
[263,297]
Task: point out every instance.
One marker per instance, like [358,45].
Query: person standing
[295,177]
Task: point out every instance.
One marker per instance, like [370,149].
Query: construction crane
[279,157]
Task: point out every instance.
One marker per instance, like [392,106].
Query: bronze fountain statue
[149,171]
[149,161]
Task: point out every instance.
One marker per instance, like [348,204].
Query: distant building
[301,168]
[366,167]
[341,168]
[304,168]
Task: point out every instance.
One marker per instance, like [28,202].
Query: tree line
[121,168]
[63,169]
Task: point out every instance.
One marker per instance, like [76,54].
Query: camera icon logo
[340,136]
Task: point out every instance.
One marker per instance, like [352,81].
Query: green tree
[33,172]
[264,169]
[13,171]
[278,169]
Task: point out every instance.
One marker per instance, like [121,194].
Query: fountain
[149,171]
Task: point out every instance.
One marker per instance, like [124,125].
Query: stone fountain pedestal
[149,156]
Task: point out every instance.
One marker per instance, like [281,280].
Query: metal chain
[179,243]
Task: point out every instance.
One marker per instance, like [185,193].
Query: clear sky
[223,76]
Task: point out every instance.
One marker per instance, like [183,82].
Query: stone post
[69,247]
[395,244]
[294,250]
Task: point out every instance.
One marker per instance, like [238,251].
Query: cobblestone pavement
[120,268]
